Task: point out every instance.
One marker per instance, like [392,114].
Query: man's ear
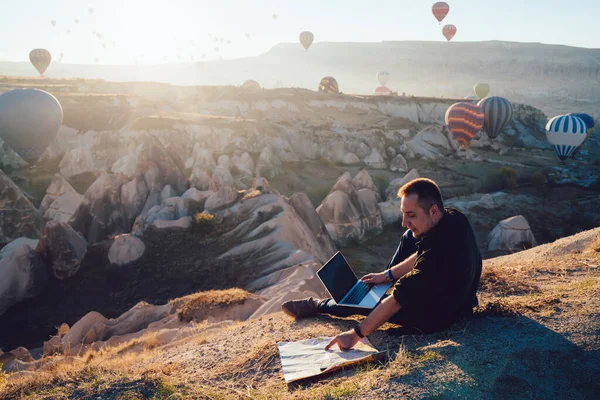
[434,210]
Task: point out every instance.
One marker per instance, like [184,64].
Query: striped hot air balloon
[306,39]
[498,113]
[464,121]
[329,85]
[383,77]
[40,58]
[382,91]
[449,31]
[565,133]
[440,10]
[251,84]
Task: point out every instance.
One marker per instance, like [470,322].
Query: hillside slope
[535,336]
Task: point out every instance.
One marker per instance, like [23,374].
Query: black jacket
[443,284]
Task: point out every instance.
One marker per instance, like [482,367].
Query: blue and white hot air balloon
[566,133]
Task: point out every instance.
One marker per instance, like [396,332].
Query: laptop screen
[337,276]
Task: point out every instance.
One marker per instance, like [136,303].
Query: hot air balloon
[440,10]
[482,90]
[306,39]
[247,35]
[29,121]
[76,21]
[464,121]
[589,123]
[498,113]
[275,16]
[449,31]
[91,10]
[565,133]
[383,77]
[329,85]
[251,84]
[382,91]
[53,22]
[68,31]
[40,58]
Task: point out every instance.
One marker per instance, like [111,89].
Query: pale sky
[150,31]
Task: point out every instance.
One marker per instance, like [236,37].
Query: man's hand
[374,279]
[345,341]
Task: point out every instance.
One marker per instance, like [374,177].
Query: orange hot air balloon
[464,121]
[440,10]
[449,31]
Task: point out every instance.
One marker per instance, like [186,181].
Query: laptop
[345,288]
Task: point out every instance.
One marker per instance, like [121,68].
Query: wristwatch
[358,332]
[389,276]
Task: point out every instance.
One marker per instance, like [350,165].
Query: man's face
[414,217]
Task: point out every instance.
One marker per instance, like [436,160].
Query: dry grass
[196,307]
[505,284]
[250,194]
[204,218]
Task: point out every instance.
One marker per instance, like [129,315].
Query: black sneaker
[301,308]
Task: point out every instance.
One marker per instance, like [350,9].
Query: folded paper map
[308,358]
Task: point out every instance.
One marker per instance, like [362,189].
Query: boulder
[224,161]
[78,161]
[268,165]
[223,198]
[305,210]
[134,196]
[16,243]
[18,216]
[168,192]
[363,180]
[242,163]
[390,212]
[125,165]
[58,187]
[62,249]
[63,208]
[375,160]
[391,152]
[125,249]
[222,177]
[428,144]
[201,180]
[399,164]
[159,168]
[512,234]
[350,159]
[181,223]
[202,158]
[391,193]
[100,214]
[22,275]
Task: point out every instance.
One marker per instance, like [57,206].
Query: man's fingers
[333,341]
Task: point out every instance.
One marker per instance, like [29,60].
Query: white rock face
[78,161]
[395,185]
[57,187]
[428,144]
[224,197]
[126,249]
[243,163]
[63,208]
[222,177]
[268,165]
[399,164]
[203,158]
[18,216]
[125,165]
[201,180]
[168,192]
[350,159]
[512,234]
[22,275]
[390,212]
[375,160]
[16,243]
[224,161]
[182,223]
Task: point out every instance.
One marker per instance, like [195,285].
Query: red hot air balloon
[449,31]
[464,121]
[440,10]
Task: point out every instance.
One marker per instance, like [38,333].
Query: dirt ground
[536,335]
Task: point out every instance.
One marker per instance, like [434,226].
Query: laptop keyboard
[358,293]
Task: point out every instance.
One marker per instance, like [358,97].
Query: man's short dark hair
[428,191]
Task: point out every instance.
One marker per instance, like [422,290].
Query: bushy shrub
[503,178]
[317,195]
[538,180]
[381,183]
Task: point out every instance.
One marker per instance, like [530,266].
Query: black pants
[406,248]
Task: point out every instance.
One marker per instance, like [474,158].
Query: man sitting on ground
[437,267]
